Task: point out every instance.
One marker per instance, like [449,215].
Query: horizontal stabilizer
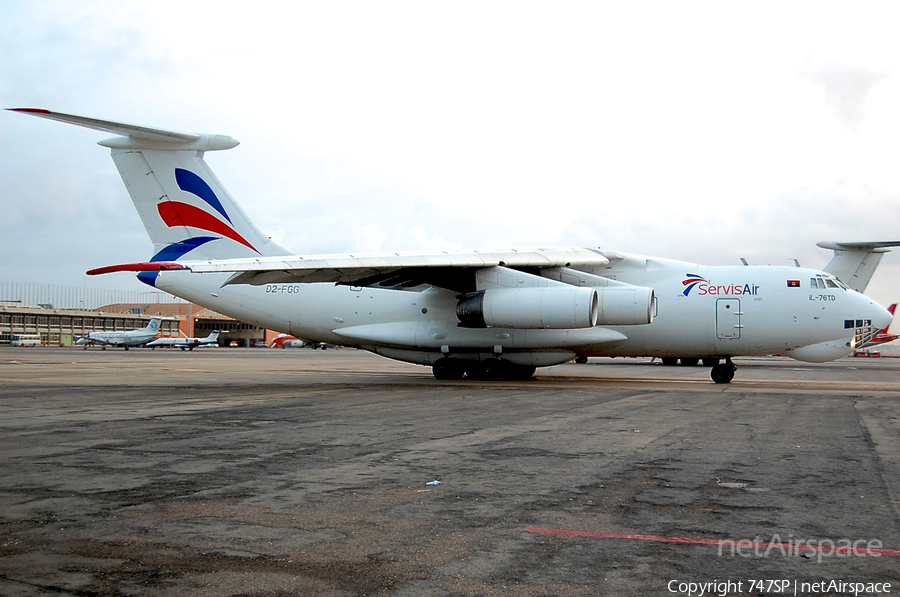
[137,136]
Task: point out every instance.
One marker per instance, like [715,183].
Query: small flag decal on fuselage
[793,283]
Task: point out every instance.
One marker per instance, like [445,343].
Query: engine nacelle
[554,307]
[625,305]
[557,307]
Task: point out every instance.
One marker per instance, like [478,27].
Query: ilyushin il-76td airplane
[488,314]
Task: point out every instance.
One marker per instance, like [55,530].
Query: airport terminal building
[62,327]
[57,315]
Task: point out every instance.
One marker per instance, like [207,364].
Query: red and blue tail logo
[691,281]
[178,213]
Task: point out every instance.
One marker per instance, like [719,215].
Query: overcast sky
[697,131]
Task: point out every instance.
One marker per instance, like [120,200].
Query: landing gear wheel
[723,372]
[474,370]
[494,369]
[447,369]
[498,370]
[669,361]
[581,360]
[523,372]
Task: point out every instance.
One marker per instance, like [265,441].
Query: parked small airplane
[187,343]
[482,314]
[123,339]
[287,341]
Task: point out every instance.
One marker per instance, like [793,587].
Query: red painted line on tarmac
[744,544]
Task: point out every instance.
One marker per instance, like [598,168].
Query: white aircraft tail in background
[480,314]
[855,263]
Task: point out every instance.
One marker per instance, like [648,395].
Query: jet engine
[625,305]
[565,307]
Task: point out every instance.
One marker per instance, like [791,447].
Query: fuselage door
[728,319]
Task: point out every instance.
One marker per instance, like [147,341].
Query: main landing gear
[488,369]
[720,372]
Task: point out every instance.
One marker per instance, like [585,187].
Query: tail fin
[855,263]
[213,336]
[184,207]
[153,326]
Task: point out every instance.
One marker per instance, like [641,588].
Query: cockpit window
[821,281]
[857,323]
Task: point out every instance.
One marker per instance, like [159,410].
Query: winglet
[157,266]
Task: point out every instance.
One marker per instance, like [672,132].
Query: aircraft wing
[444,269]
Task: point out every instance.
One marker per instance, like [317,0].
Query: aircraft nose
[881,317]
[869,309]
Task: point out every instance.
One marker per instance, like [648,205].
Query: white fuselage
[728,311]
[183,343]
[482,313]
[132,338]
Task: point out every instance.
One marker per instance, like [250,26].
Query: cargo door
[728,319]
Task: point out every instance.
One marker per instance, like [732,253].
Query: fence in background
[50,296]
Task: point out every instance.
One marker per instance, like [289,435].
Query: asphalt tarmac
[264,472]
